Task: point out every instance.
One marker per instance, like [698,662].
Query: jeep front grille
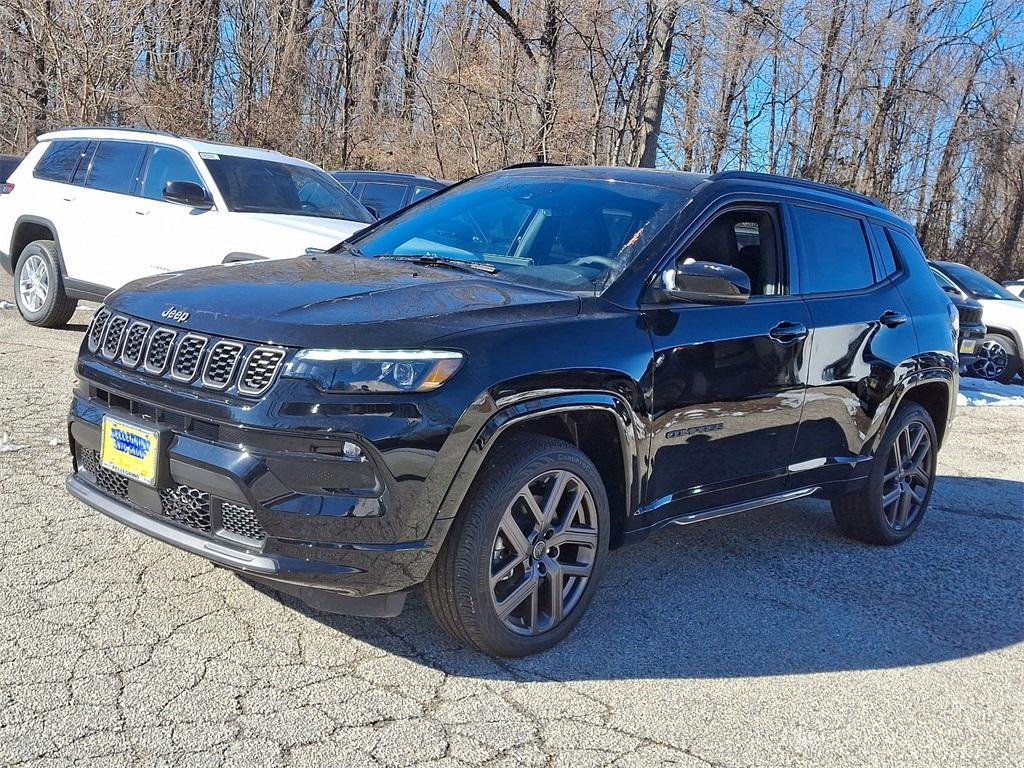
[99,325]
[112,338]
[181,504]
[188,356]
[260,370]
[223,365]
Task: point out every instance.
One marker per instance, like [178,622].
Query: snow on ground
[981,392]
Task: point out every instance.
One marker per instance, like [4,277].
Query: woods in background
[919,103]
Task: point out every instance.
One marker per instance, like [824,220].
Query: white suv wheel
[34,285]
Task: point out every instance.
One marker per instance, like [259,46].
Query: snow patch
[6,305]
[6,446]
[981,392]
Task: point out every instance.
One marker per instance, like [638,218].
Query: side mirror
[951,290]
[187,193]
[703,282]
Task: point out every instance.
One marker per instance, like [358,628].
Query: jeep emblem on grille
[177,315]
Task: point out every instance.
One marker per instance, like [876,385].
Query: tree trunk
[654,104]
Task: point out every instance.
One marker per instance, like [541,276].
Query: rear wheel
[524,556]
[900,485]
[39,287]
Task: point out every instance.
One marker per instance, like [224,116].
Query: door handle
[69,199]
[891,318]
[788,333]
[142,213]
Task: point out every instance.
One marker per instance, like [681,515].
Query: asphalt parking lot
[764,639]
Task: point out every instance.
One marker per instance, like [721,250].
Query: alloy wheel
[908,476]
[34,285]
[990,360]
[543,553]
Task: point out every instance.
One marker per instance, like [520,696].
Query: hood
[335,300]
[325,232]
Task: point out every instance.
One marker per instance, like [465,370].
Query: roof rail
[113,128]
[535,164]
[777,179]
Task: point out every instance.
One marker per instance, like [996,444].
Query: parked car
[1016,287]
[486,392]
[972,332]
[998,354]
[386,192]
[7,165]
[92,209]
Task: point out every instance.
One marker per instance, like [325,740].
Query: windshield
[551,231]
[976,284]
[254,185]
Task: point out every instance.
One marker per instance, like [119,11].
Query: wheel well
[596,433]
[934,398]
[25,233]
[1004,332]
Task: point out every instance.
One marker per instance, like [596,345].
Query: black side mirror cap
[187,193]
[702,282]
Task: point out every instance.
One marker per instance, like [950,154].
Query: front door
[728,381]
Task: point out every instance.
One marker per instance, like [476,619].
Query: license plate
[130,450]
[967,346]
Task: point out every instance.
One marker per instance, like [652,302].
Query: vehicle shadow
[778,592]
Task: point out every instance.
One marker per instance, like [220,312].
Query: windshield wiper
[443,261]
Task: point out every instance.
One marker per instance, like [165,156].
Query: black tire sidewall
[907,413]
[1012,357]
[47,250]
[491,501]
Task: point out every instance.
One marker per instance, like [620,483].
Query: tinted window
[115,166]
[834,252]
[977,285]
[885,252]
[167,164]
[383,198]
[548,230]
[59,160]
[7,166]
[744,239]
[255,185]
[418,193]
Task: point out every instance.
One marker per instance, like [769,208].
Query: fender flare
[529,409]
[42,221]
[917,379]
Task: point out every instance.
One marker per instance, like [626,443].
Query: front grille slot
[186,505]
[260,370]
[158,351]
[99,325]
[112,338]
[134,342]
[188,356]
[221,364]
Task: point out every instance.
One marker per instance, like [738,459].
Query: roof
[656,176]
[170,139]
[363,175]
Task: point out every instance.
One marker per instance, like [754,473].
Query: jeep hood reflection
[337,300]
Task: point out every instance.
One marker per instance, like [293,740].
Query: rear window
[59,160]
[115,166]
[834,252]
[383,197]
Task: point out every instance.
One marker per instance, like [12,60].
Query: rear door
[862,337]
[55,198]
[728,381]
[105,205]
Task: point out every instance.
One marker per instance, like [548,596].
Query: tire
[1013,361]
[996,359]
[39,286]
[483,563]
[866,515]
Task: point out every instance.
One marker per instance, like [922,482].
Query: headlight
[359,370]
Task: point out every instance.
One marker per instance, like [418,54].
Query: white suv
[91,209]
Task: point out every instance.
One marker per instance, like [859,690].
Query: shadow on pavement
[779,592]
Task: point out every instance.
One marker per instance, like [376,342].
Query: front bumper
[968,333]
[263,513]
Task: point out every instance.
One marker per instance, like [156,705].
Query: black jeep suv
[486,392]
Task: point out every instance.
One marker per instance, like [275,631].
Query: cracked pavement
[765,639]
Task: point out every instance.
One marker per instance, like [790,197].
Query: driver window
[744,239]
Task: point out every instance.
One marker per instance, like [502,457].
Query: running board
[742,506]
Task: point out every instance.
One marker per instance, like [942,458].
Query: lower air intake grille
[260,370]
[241,520]
[186,505]
[109,482]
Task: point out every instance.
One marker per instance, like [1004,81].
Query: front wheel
[900,484]
[39,288]
[526,551]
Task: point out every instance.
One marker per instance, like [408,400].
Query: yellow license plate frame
[130,450]
[968,346]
